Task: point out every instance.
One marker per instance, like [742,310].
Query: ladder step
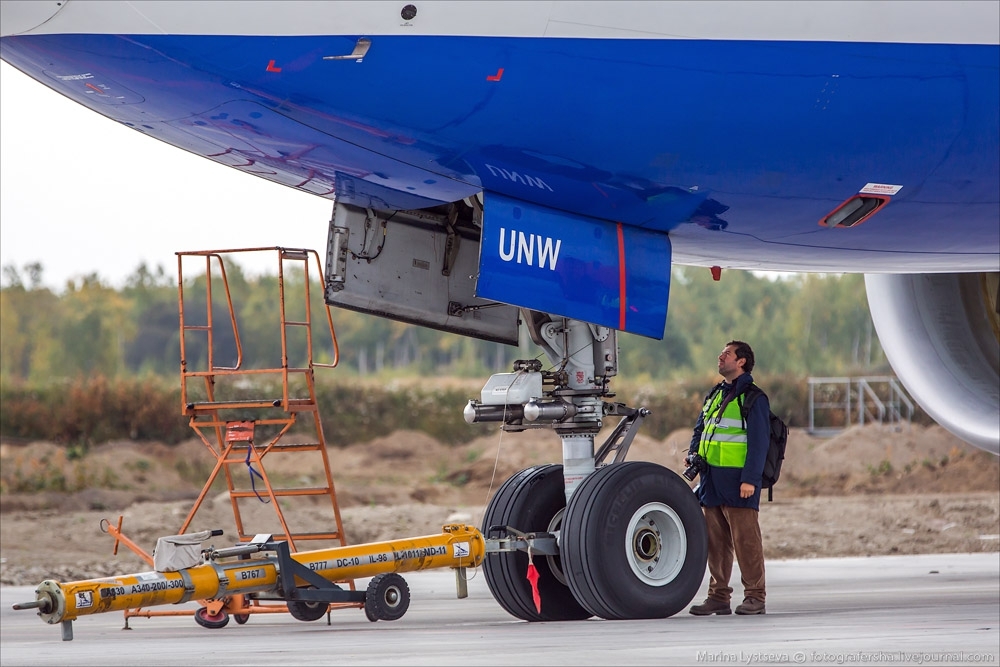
[314,491]
[282,447]
[287,447]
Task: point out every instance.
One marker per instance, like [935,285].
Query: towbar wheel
[308,610]
[206,619]
[387,597]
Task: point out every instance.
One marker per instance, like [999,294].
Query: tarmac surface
[895,610]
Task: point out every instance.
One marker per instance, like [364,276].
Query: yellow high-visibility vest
[724,437]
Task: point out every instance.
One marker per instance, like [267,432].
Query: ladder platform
[205,406]
[294,405]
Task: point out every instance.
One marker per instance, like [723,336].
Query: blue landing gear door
[584,268]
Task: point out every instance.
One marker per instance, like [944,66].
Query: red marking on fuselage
[497,76]
[272,68]
[96,89]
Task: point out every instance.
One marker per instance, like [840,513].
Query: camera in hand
[696,464]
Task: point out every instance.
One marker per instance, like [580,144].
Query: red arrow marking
[272,68]
[497,76]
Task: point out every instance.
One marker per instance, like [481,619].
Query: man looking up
[733,450]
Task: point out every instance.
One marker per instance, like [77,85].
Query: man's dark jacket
[721,486]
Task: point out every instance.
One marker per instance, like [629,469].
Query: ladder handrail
[284,254]
[329,316]
[209,326]
[864,389]
[899,396]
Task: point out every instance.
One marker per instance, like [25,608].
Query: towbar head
[41,604]
[49,601]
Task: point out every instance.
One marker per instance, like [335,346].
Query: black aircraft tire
[529,501]
[307,610]
[387,597]
[634,543]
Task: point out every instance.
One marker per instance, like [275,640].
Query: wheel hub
[646,544]
[656,544]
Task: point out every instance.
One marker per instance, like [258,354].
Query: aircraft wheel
[241,619]
[307,610]
[387,597]
[532,500]
[206,620]
[634,542]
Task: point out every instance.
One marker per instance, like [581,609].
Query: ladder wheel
[212,622]
[241,619]
[387,597]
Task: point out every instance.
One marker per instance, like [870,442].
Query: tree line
[803,324]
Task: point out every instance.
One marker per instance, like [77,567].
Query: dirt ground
[868,491]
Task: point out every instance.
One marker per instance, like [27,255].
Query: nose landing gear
[630,538]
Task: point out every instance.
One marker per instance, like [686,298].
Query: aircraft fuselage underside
[736,148]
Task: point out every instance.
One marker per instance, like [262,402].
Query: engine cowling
[941,334]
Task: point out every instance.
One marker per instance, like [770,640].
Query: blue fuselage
[738,148]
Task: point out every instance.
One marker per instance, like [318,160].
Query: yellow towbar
[305,578]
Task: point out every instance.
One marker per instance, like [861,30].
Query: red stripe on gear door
[621,278]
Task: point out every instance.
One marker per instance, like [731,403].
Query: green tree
[29,321]
[152,296]
[94,329]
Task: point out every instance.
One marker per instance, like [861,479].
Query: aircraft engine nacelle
[941,333]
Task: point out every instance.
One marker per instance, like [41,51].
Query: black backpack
[776,444]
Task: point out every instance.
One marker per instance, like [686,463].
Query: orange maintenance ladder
[245,435]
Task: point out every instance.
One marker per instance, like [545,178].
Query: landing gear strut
[630,537]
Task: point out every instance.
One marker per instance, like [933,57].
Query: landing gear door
[413,266]
[587,269]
